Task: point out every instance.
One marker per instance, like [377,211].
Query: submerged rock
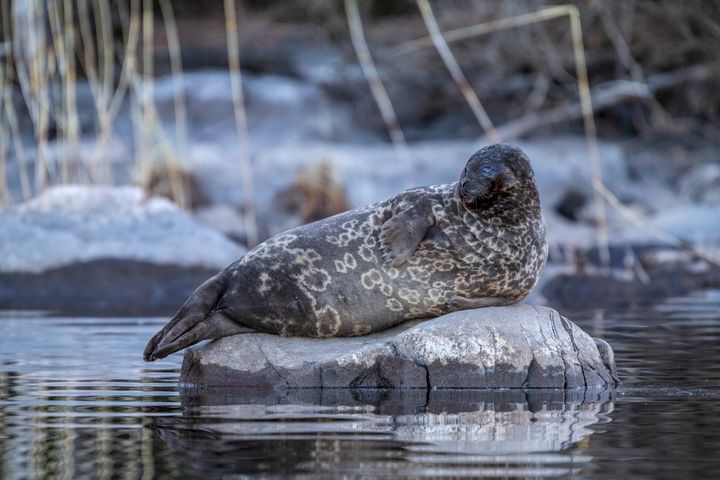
[520,346]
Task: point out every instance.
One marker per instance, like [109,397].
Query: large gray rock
[520,346]
[105,250]
[80,223]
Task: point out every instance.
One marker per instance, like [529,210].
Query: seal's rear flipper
[196,320]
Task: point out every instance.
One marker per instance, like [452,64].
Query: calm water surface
[76,401]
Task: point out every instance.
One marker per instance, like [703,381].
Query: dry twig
[376,86]
[246,169]
[451,63]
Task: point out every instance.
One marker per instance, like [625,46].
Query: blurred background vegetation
[257,116]
[71,68]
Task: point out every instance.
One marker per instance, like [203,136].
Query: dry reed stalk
[658,233]
[377,88]
[63,33]
[441,43]
[89,60]
[484,28]
[452,65]
[599,187]
[146,110]
[246,169]
[31,53]
[590,132]
[128,69]
[129,81]
[601,191]
[39,78]
[624,54]
[5,194]
[101,79]
[6,73]
[18,148]
[173,41]
[179,191]
[106,59]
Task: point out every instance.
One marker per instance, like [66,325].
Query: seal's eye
[465,171]
[486,169]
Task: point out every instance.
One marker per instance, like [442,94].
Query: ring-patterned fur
[476,242]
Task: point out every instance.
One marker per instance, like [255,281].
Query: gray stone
[99,250]
[519,346]
[78,223]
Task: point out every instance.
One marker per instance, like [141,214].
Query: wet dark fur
[425,252]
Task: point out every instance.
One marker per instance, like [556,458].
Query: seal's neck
[515,208]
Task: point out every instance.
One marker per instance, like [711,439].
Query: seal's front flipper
[195,321]
[402,233]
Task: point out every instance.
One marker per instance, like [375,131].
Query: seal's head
[497,175]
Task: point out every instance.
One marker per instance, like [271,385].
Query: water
[78,402]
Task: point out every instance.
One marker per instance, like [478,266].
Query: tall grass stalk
[454,68]
[441,44]
[145,126]
[246,169]
[106,60]
[66,118]
[31,59]
[583,85]
[603,194]
[99,65]
[8,110]
[130,23]
[479,29]
[5,195]
[129,82]
[377,88]
[173,41]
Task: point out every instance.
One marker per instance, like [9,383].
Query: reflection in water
[462,432]
[76,401]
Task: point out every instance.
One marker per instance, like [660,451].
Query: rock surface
[520,346]
[105,250]
[72,224]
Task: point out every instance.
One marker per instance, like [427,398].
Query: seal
[428,251]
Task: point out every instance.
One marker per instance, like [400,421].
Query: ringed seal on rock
[428,251]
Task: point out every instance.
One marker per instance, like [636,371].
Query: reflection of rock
[540,432]
[510,347]
[102,248]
